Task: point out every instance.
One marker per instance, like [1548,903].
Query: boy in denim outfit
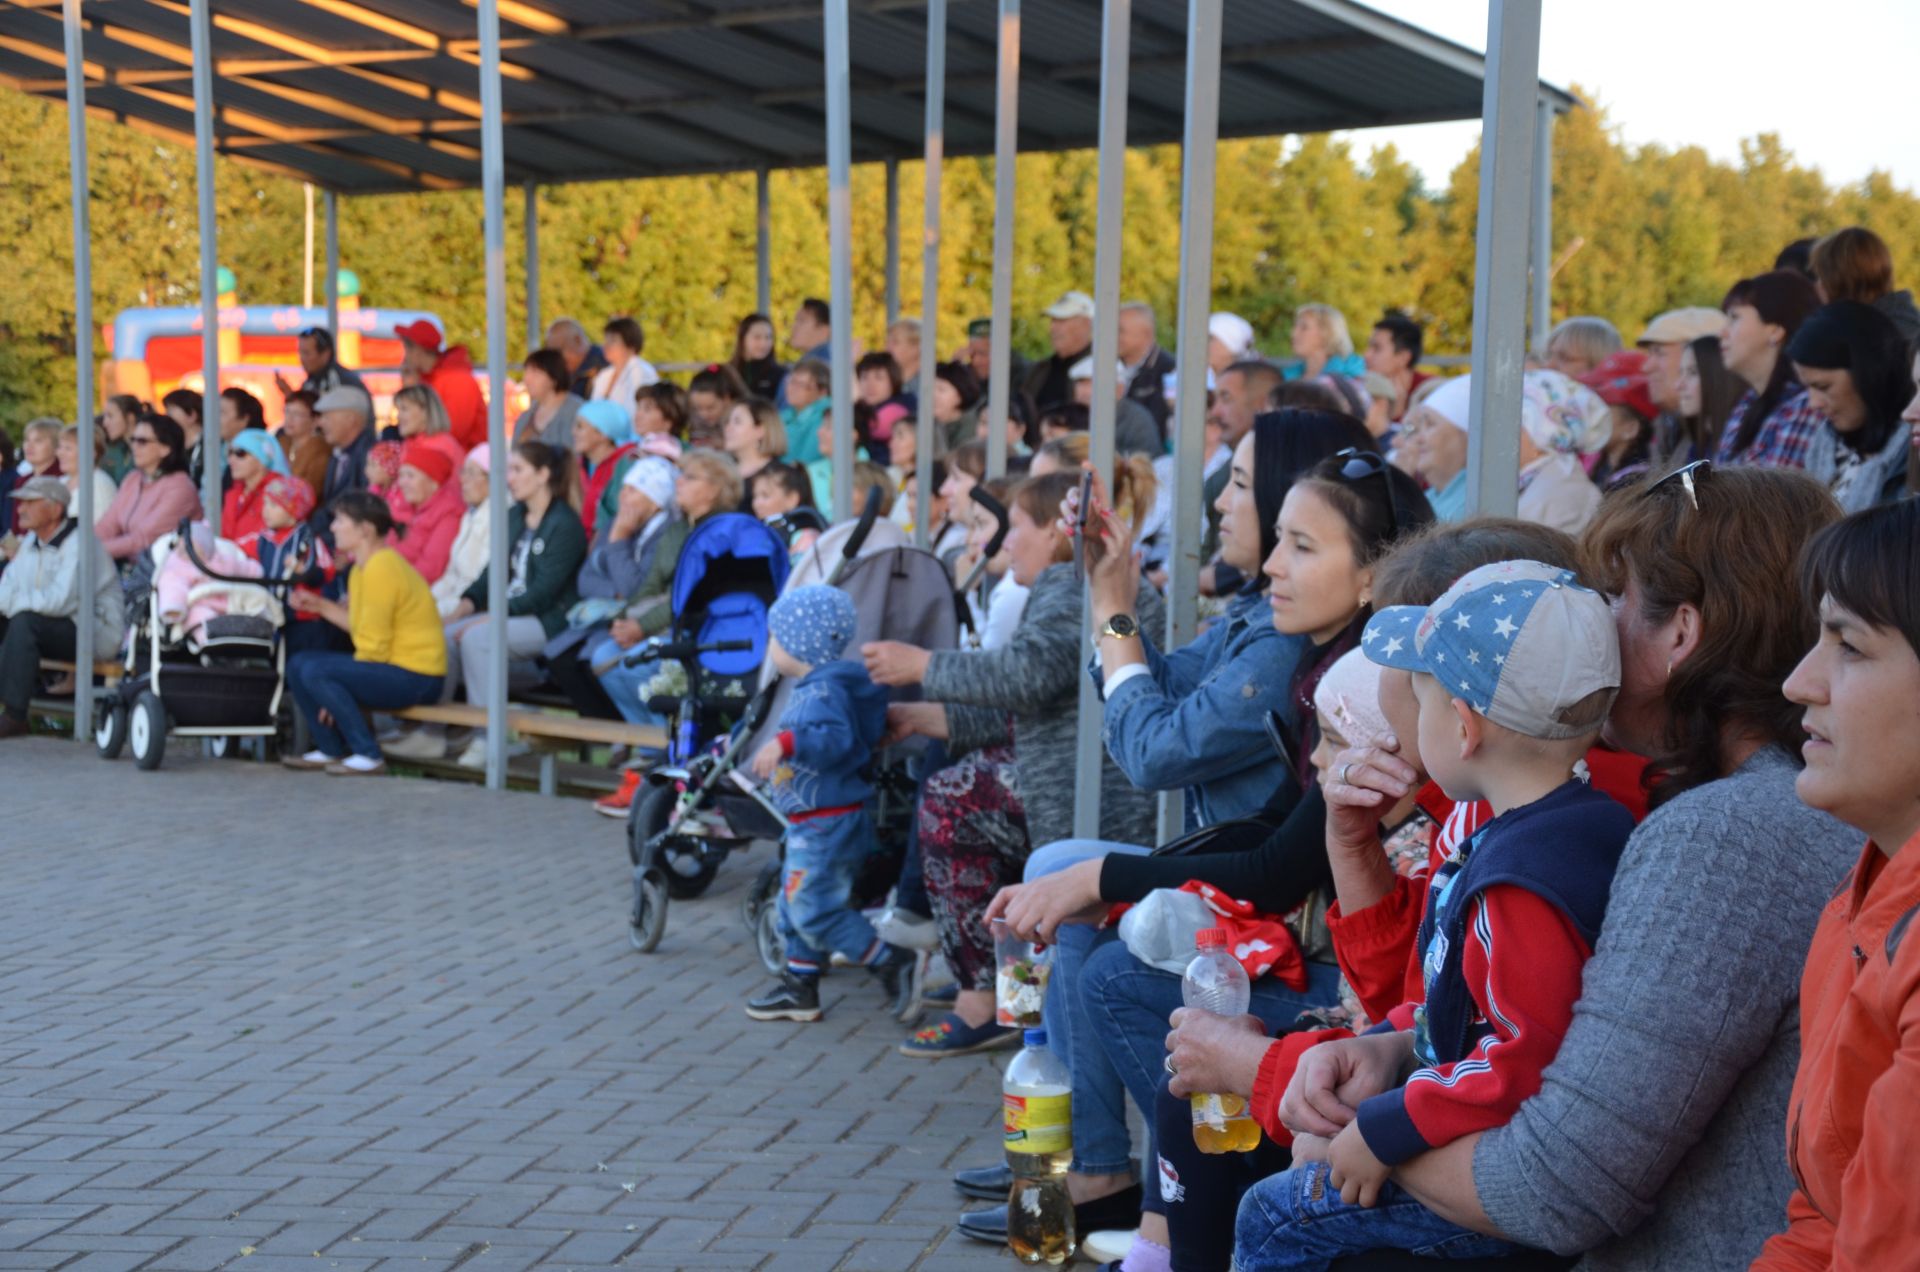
[816,774]
[1515,669]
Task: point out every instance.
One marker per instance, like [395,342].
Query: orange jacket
[1856,1098]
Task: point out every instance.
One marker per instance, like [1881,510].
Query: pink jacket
[178,576]
[429,536]
[145,509]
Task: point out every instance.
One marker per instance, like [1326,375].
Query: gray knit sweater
[1658,1138]
[1035,679]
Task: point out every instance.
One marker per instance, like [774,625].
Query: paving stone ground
[263,1020]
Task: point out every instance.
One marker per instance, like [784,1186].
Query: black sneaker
[900,972]
[793,998]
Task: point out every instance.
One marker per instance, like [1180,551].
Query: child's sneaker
[793,998]
[900,972]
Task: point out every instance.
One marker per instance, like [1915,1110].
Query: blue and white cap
[1518,641]
[815,623]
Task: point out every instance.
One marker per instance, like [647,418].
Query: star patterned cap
[815,623]
[1518,641]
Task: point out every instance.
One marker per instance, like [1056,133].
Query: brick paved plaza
[264,1020]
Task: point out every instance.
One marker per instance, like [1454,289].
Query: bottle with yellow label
[1037,1096]
[1216,982]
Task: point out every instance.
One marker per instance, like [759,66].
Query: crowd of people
[1540,838]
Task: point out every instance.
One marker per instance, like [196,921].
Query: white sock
[361,763]
[1146,1256]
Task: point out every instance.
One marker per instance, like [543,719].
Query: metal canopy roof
[383,96]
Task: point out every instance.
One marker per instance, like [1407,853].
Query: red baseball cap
[1621,380]
[420,332]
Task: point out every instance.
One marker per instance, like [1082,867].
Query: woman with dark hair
[957,402]
[551,402]
[626,372]
[1856,1095]
[399,658]
[1855,366]
[186,408]
[155,495]
[711,395]
[1653,1140]
[753,357]
[661,409]
[1856,264]
[545,545]
[239,411]
[1773,422]
[1708,394]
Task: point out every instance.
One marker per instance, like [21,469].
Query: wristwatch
[1121,626]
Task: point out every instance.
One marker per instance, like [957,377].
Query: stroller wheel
[760,896]
[651,808]
[147,730]
[110,728]
[767,940]
[648,922]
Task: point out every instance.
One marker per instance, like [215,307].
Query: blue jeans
[624,685]
[1296,1222]
[1128,1003]
[1101,1145]
[347,688]
[817,917]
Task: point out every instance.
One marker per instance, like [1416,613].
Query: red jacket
[240,511]
[428,540]
[452,378]
[594,484]
[1856,1097]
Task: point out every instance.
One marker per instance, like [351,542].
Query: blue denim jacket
[1198,719]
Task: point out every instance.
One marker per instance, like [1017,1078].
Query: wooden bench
[110,670]
[548,732]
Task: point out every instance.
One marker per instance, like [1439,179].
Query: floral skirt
[973,842]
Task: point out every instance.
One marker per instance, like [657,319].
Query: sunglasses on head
[1685,476]
[1357,465]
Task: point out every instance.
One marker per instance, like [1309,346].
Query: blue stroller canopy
[730,570]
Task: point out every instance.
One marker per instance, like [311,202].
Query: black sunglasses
[1684,475]
[1357,465]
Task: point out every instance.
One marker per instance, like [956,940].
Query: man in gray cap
[40,597]
[346,421]
[1663,341]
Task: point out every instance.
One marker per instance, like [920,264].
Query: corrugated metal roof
[370,96]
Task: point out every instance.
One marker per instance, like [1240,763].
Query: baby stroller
[222,679]
[688,818]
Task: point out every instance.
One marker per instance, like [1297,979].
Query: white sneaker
[907,930]
[475,756]
[420,744]
[1106,1245]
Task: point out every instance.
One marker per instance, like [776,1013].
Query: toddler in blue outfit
[816,771]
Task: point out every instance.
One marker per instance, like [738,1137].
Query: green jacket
[553,567]
[651,604]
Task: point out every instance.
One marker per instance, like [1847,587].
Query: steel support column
[332,203]
[1197,153]
[892,167]
[493,182]
[1500,255]
[930,270]
[1116,24]
[1542,225]
[763,243]
[840,251]
[1006,147]
[83,369]
[536,333]
[212,456]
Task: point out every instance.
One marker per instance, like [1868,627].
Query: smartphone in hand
[1080,516]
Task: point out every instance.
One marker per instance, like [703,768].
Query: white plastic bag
[1159,930]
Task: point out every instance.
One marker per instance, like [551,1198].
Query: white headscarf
[1452,401]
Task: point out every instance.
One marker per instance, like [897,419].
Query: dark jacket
[1047,382]
[346,470]
[1899,307]
[553,560]
[833,720]
[590,366]
[1149,387]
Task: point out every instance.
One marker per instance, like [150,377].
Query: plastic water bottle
[1216,982]
[1037,1096]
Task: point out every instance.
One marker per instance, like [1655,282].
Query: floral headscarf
[1562,416]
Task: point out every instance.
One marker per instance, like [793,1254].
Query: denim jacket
[1198,718]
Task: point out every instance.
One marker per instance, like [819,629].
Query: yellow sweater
[392,616]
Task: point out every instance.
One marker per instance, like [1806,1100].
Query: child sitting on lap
[816,774]
[1515,669]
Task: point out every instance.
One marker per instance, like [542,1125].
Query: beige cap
[1074,304]
[1684,326]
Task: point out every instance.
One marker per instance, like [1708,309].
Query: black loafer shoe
[990,1183]
[1118,1210]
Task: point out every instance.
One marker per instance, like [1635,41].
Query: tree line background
[1640,228]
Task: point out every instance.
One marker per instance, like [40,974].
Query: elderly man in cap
[448,372]
[978,356]
[346,422]
[40,597]
[1070,330]
[1663,341]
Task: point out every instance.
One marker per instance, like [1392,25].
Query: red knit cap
[433,462]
